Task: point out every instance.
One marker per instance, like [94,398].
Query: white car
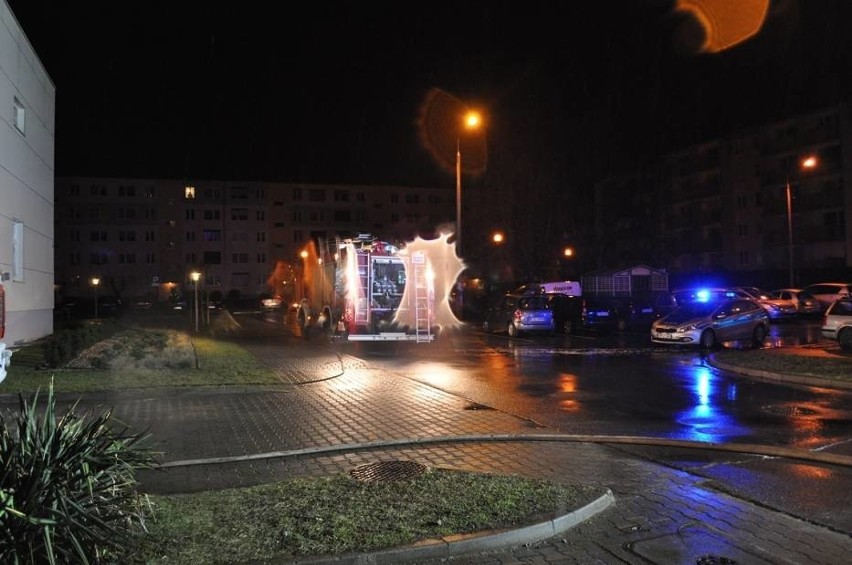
[826,293]
[837,323]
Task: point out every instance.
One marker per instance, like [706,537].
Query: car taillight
[518,314]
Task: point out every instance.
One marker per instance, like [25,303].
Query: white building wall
[26,185]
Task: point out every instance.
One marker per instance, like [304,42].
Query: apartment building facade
[719,208]
[27,97]
[142,238]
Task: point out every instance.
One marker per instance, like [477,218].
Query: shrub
[67,485]
[65,344]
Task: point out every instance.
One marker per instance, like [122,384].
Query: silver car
[710,323]
[516,314]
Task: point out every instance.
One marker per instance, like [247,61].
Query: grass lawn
[330,515]
[338,515]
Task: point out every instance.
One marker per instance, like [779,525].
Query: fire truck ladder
[423,299]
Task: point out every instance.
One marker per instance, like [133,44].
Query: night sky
[329,92]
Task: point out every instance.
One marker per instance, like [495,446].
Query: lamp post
[470,121]
[95,282]
[807,163]
[195,276]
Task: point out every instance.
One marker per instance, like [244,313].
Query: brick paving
[661,515]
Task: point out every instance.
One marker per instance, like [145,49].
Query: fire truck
[364,289]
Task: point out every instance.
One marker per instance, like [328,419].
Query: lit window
[189,192]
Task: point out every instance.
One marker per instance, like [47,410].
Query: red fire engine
[364,289]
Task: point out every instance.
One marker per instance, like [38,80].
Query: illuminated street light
[497,237]
[568,252]
[95,282]
[808,162]
[470,121]
[195,276]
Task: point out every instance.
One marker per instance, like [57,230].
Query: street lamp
[470,121]
[808,162]
[95,282]
[195,276]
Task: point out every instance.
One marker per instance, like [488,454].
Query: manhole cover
[387,471]
[788,410]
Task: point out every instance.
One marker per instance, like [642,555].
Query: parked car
[710,322]
[805,304]
[567,312]
[826,293]
[520,313]
[837,323]
[777,309]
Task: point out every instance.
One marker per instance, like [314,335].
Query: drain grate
[387,471]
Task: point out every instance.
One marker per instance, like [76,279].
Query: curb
[779,378]
[467,544]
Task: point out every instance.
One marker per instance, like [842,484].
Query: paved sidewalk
[334,413]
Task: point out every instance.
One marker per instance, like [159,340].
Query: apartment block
[721,207]
[27,100]
[142,238]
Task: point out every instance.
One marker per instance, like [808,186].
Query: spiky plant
[67,485]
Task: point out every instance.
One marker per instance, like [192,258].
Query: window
[126,236]
[261,236]
[190,258]
[127,190]
[297,236]
[341,196]
[260,216]
[126,213]
[20,116]
[18,251]
[212,215]
[316,195]
[394,198]
[212,258]
[127,258]
[75,235]
[239,258]
[239,214]
[261,258]
[240,279]
[190,236]
[342,216]
[75,190]
[189,192]
[297,194]
[97,190]
[150,258]
[150,235]
[74,258]
[239,236]
[98,236]
[239,193]
[212,235]
[190,214]
[149,192]
[297,216]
